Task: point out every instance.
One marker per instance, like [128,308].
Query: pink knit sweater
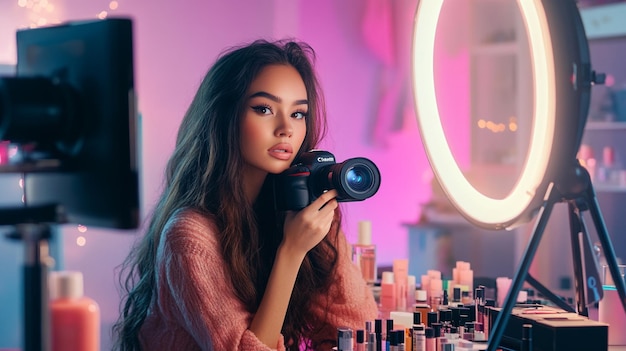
[195,307]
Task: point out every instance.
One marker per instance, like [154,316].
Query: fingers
[327,201]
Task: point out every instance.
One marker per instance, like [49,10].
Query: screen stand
[577,191]
[30,228]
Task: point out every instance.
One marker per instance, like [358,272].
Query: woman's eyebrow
[276,98]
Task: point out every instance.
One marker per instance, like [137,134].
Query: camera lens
[359,178]
[355,179]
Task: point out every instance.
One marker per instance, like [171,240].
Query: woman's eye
[300,115]
[262,109]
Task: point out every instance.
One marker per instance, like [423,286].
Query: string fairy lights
[45,12]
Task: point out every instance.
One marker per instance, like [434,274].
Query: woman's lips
[281,151]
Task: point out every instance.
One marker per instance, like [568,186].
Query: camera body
[316,172]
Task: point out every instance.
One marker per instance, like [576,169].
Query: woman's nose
[285,127]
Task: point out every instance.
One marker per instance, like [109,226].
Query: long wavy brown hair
[204,172]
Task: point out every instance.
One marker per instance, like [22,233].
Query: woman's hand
[304,229]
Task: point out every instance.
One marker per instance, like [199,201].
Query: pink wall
[364,71]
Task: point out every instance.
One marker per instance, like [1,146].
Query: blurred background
[363,50]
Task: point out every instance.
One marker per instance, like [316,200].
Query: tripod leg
[577,256]
[549,294]
[607,247]
[522,271]
[36,313]
[588,281]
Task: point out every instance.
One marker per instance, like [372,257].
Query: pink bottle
[75,319]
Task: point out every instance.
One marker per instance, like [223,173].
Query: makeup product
[364,253]
[425,283]
[445,301]
[465,276]
[479,336]
[387,294]
[378,330]
[432,317]
[373,342]
[360,340]
[445,318]
[408,338]
[553,330]
[401,320]
[438,334]
[456,296]
[419,338]
[388,330]
[344,339]
[446,344]
[430,343]
[466,297]
[410,293]
[436,293]
[393,341]
[400,275]
[464,345]
[421,305]
[75,318]
[400,336]
[503,284]
[478,302]
[489,304]
[527,337]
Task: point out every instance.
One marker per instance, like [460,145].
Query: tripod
[576,190]
[30,228]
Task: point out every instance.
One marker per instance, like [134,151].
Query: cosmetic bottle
[360,340]
[421,305]
[464,276]
[430,339]
[489,304]
[425,284]
[400,276]
[364,253]
[445,301]
[410,293]
[388,330]
[387,294]
[436,293]
[373,342]
[378,331]
[400,337]
[479,303]
[344,339]
[75,318]
[432,317]
[607,168]
[419,338]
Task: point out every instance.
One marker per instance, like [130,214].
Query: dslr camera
[316,172]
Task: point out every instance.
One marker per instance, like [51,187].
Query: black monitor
[70,117]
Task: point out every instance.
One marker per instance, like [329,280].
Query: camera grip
[292,192]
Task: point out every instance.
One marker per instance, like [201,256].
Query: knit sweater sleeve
[194,290]
[349,302]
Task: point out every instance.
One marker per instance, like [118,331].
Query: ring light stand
[562,78]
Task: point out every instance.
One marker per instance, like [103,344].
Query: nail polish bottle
[75,318]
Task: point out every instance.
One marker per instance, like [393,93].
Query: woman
[219,268]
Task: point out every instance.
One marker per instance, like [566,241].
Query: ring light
[562,78]
[549,137]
